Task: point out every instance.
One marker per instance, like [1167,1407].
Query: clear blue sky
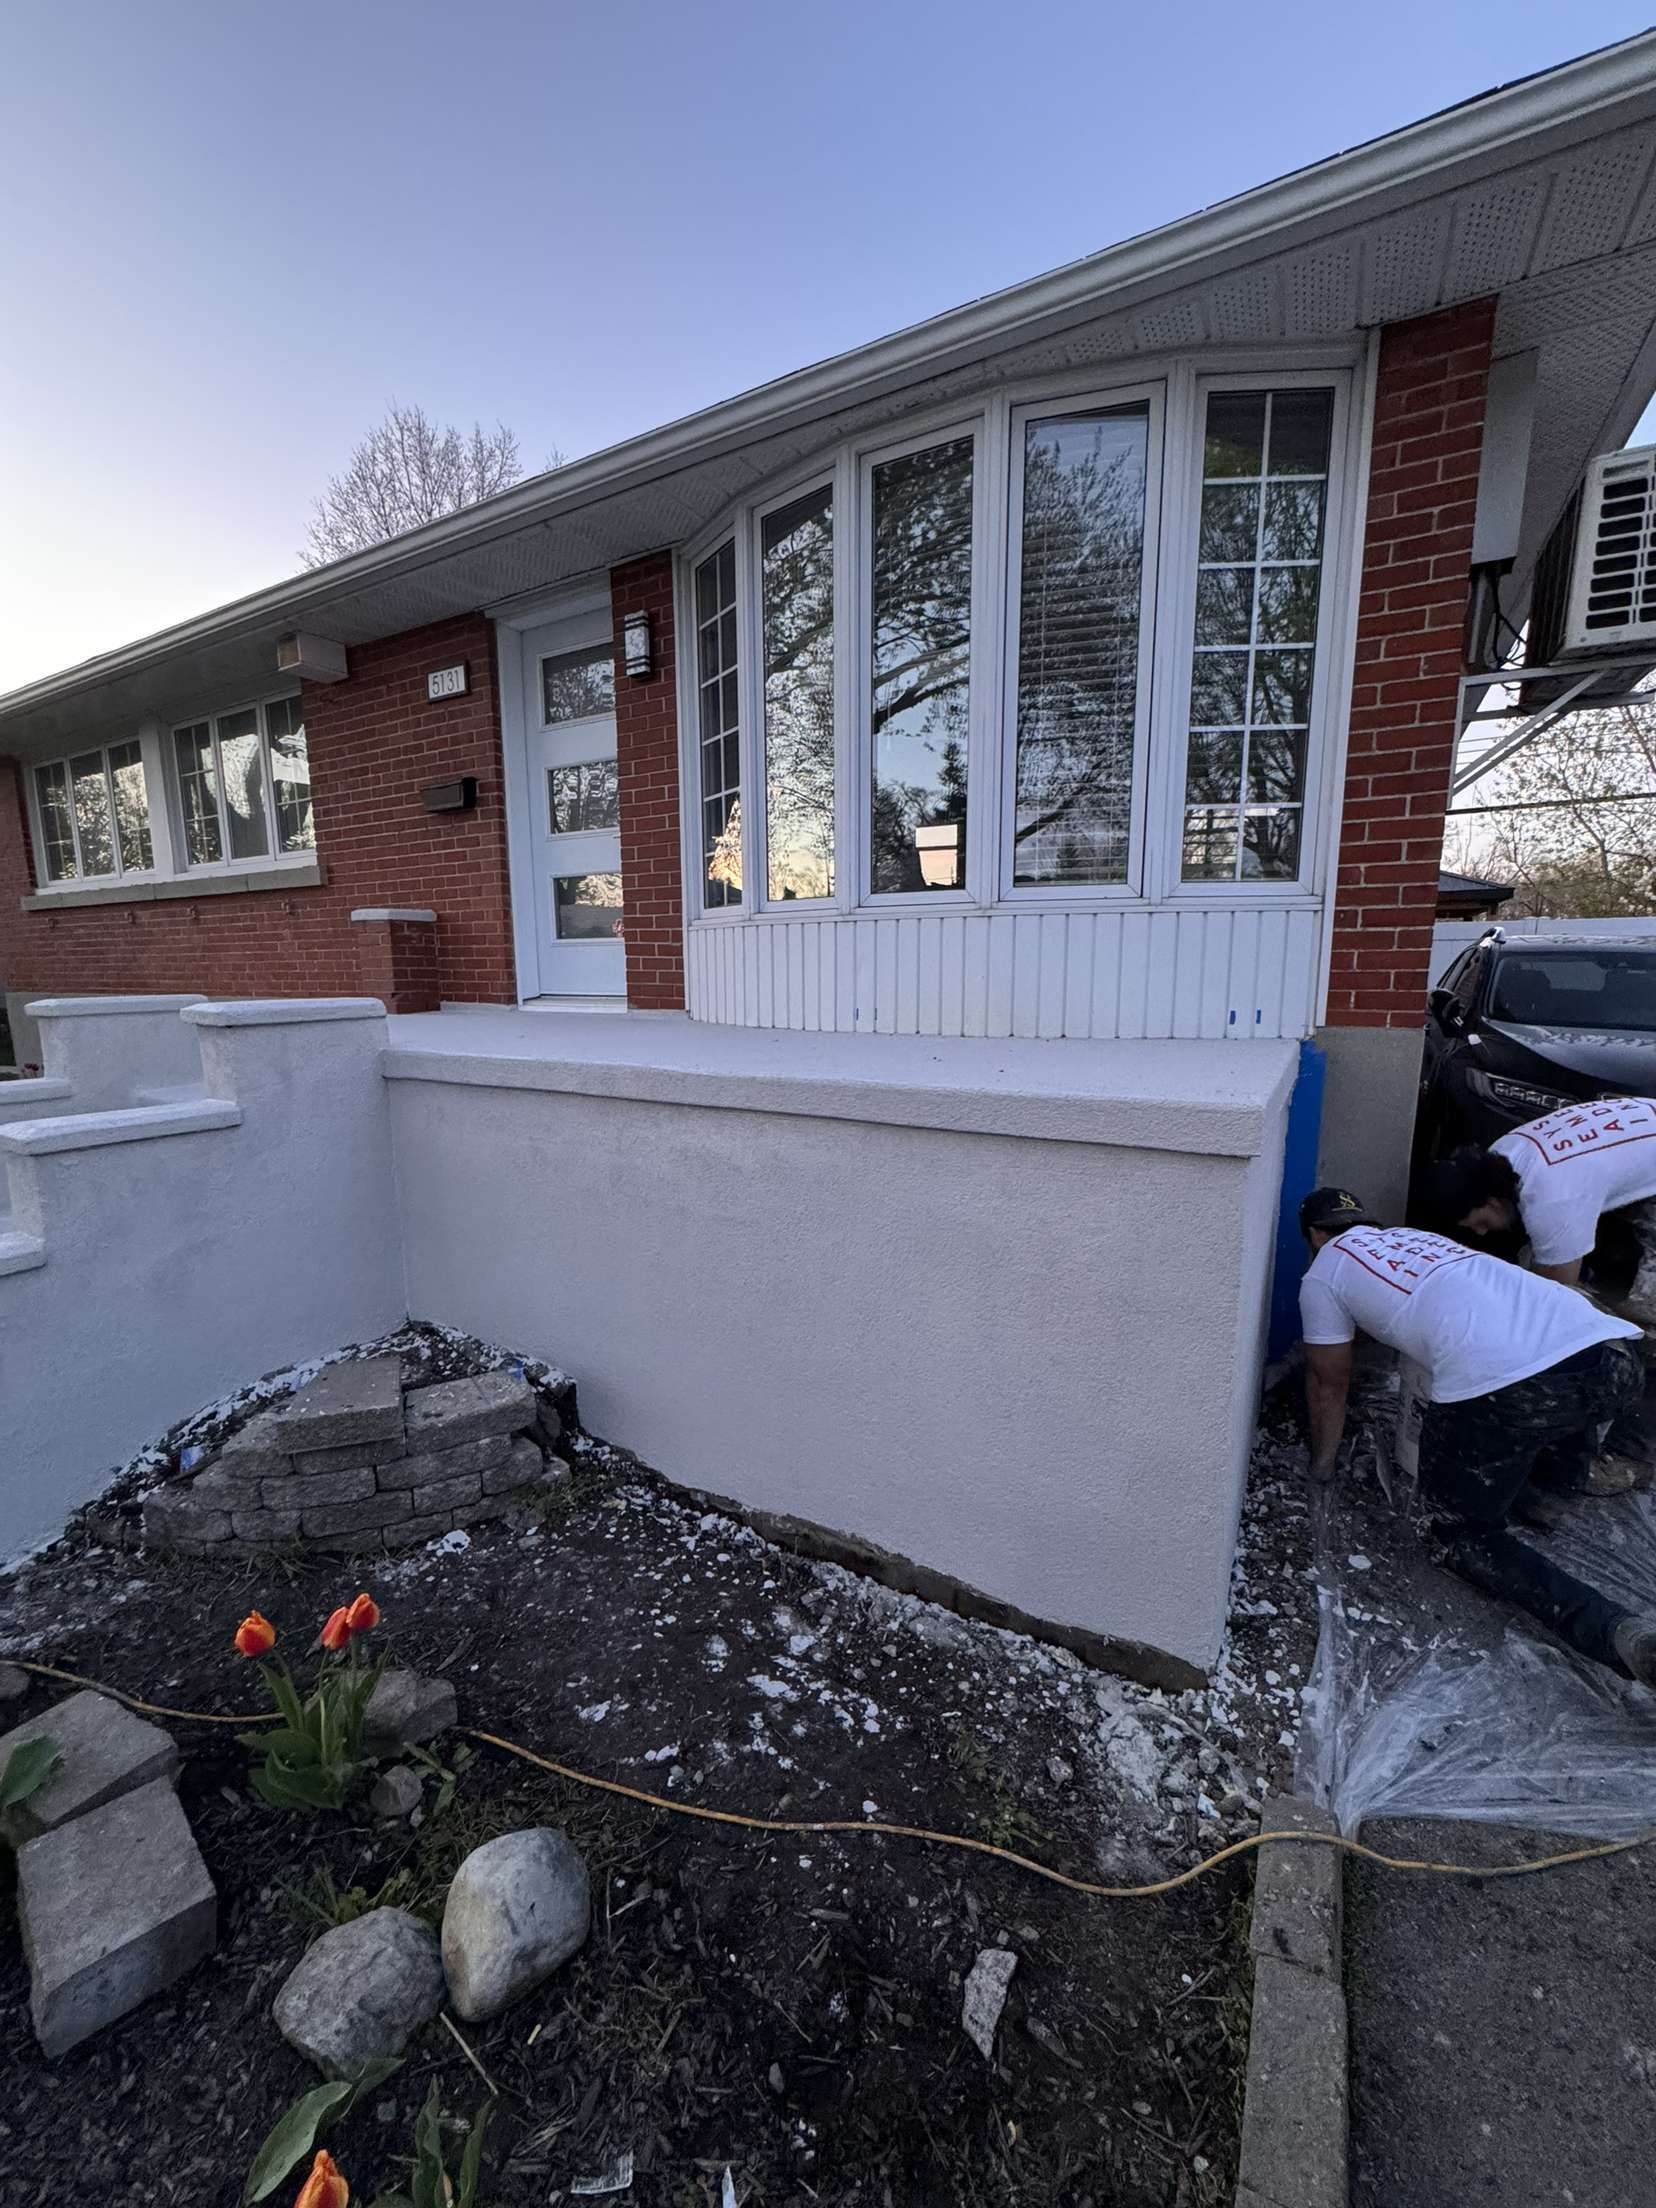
[232,232]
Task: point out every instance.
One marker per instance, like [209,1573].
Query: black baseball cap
[1336,1209]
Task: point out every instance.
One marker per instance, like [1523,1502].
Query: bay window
[1061,648]
[92,812]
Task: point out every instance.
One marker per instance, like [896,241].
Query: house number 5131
[447,682]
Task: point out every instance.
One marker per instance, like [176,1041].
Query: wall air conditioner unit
[1613,577]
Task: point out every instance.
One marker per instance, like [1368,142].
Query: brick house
[1082,665]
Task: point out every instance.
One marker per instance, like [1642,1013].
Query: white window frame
[259,862]
[50,885]
[1336,598]
[752,616]
[1105,399]
[1177,390]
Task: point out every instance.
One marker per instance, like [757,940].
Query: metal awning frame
[1580,677]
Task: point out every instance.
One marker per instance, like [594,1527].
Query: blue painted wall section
[1299,1177]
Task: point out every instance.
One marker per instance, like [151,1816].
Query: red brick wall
[374,741]
[1423,481]
[646,726]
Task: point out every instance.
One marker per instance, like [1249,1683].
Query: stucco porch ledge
[1212,1099]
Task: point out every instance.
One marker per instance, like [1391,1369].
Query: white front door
[573,816]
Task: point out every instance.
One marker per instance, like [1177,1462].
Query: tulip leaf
[293,2136]
[306,2123]
[471,2162]
[26,1771]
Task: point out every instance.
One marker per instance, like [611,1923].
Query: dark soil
[787,2007]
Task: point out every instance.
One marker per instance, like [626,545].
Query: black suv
[1518,1028]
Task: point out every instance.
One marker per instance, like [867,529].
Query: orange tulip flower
[337,1632]
[325,2187]
[363,1614]
[255,1636]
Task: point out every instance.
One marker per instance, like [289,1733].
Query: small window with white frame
[1265,472]
[718,695]
[243,784]
[92,816]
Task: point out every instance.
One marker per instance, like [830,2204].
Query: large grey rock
[454,1411]
[106,1752]
[114,1907]
[358,1400]
[406,1709]
[362,1992]
[518,1907]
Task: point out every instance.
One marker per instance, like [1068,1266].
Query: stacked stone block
[354,1456]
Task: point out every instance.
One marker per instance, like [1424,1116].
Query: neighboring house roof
[1472,891]
[1541,192]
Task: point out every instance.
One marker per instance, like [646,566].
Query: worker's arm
[1327,1383]
[1569,1274]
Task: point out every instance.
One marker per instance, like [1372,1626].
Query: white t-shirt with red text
[1576,1164]
[1473,1323]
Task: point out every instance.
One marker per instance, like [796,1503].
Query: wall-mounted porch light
[637,644]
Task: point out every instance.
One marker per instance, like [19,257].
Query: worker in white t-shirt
[1523,1378]
[1555,1178]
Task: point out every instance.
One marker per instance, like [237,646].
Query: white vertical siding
[1199,971]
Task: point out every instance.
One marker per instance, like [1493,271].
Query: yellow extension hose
[1087,1886]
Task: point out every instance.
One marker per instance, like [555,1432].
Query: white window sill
[158,889]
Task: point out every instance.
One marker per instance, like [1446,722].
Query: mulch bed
[786,2007]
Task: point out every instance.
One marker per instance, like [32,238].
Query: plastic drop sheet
[1520,1731]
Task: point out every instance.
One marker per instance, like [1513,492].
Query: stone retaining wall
[355,1456]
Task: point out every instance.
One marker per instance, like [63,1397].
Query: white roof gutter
[1407,164]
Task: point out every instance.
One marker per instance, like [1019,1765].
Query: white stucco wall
[1028,1360]
[162,1255]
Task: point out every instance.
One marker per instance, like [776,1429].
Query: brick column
[1415,584]
[397,957]
[1423,487]
[646,736]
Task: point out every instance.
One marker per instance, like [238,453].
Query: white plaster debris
[594,1713]
[774,1690]
[985,1997]
[663,1755]
[1360,1563]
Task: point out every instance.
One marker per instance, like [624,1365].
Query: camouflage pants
[1477,1457]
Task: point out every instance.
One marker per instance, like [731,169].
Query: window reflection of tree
[799,697]
[922,597]
[1078,645]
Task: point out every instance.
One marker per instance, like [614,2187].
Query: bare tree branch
[407,471]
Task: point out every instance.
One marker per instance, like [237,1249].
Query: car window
[1466,981]
[1603,989]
